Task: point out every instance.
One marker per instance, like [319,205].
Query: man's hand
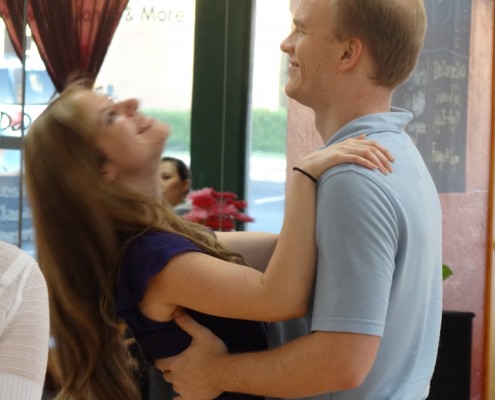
[190,372]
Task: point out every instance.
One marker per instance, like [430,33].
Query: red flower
[217,210]
[220,223]
[203,198]
[240,204]
[196,215]
[243,217]
[225,195]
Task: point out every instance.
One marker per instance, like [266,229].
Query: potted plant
[221,211]
[452,375]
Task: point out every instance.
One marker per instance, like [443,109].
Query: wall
[466,214]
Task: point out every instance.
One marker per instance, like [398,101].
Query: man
[373,326]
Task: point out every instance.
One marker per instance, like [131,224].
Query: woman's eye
[111,117]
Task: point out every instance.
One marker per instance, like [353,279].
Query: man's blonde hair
[392,30]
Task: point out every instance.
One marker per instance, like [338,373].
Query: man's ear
[108,172]
[351,53]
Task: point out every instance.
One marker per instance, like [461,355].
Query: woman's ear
[351,54]
[186,185]
[108,172]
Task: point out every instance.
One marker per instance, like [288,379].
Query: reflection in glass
[10,161]
[37,89]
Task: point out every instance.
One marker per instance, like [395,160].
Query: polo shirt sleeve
[357,236]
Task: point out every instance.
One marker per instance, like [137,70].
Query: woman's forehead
[87,97]
[169,165]
[91,104]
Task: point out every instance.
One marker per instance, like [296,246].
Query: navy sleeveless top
[143,258]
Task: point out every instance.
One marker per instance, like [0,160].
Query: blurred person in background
[24,325]
[176,180]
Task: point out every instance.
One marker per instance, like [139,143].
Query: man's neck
[329,120]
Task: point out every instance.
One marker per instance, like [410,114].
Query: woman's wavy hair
[82,223]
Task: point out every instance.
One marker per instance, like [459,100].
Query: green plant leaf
[446,271]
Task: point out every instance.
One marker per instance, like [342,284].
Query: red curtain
[12,12]
[72,36]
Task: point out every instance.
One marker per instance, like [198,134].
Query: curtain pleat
[72,36]
[12,13]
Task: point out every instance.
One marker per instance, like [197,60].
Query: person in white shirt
[24,325]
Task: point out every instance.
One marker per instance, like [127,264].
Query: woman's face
[173,188]
[130,142]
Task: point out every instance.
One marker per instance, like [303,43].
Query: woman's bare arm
[210,285]
[256,247]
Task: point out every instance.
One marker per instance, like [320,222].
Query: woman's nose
[130,106]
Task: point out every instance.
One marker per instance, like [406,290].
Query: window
[267,165]
[151,58]
[15,217]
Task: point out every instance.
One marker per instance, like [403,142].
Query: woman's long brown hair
[81,223]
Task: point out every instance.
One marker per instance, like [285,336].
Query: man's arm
[256,247]
[317,363]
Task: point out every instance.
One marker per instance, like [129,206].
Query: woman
[110,249]
[24,325]
[176,183]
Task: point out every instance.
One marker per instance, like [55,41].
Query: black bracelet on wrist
[305,173]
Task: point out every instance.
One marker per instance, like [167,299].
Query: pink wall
[465,214]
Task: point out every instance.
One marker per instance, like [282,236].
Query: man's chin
[291,91]
[296,95]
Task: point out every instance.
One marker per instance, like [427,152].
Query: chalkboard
[436,93]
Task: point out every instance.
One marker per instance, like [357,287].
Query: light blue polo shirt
[379,265]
